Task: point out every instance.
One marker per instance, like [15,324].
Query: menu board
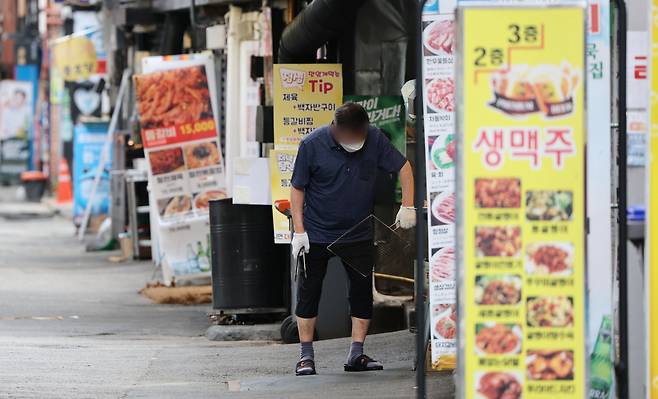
[651,277]
[176,105]
[439,121]
[180,141]
[305,98]
[521,198]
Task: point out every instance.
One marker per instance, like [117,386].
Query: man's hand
[406,217]
[299,241]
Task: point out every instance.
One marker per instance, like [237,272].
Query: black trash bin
[248,269]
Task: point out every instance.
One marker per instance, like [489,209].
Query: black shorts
[309,287]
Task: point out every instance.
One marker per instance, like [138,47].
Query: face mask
[354,147]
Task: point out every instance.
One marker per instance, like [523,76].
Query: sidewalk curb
[256,332]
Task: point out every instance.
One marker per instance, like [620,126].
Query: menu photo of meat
[443,208]
[498,289]
[498,339]
[173,97]
[549,364]
[442,265]
[549,258]
[497,241]
[166,161]
[440,94]
[438,37]
[499,385]
[498,193]
[444,321]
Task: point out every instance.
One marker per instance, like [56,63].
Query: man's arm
[297,205]
[407,183]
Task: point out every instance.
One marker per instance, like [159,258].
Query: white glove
[299,241]
[406,217]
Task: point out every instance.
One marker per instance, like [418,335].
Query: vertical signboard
[181,145]
[438,43]
[521,202]
[305,98]
[599,212]
[651,277]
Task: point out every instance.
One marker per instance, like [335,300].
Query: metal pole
[419,199]
[104,153]
[622,367]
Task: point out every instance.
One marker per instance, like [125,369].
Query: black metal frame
[621,369]
[419,199]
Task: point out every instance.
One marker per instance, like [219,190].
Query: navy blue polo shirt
[339,187]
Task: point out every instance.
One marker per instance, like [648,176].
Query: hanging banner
[438,43]
[521,202]
[186,169]
[79,56]
[651,269]
[305,98]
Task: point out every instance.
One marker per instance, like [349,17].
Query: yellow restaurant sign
[521,234]
[652,228]
[305,98]
[74,57]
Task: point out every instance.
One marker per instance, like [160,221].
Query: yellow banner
[281,167]
[305,98]
[522,248]
[75,57]
[652,258]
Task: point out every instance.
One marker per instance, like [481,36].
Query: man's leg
[306,328]
[360,298]
[309,290]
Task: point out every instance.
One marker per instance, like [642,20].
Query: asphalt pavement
[72,325]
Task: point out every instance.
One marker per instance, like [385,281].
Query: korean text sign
[305,98]
[438,41]
[521,202]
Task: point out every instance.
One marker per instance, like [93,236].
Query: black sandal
[305,367]
[364,363]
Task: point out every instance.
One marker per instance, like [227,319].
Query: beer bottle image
[202,257]
[601,368]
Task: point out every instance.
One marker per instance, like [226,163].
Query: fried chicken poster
[181,141]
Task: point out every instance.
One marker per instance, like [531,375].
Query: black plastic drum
[248,269]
